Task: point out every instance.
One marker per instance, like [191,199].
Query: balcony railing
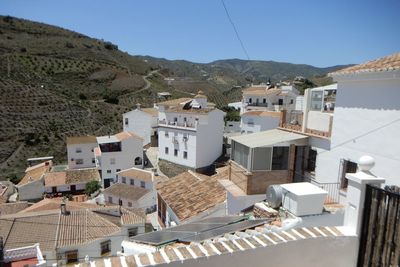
[175,124]
[333,189]
[257,104]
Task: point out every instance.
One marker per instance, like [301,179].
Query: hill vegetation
[56,83]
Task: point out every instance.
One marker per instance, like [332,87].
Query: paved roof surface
[268,138]
[262,113]
[189,194]
[176,101]
[388,63]
[152,111]
[11,208]
[82,176]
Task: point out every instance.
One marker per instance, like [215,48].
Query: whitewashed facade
[143,122]
[80,152]
[191,137]
[116,153]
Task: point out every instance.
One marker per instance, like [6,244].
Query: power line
[235,29]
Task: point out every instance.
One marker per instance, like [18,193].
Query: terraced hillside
[56,83]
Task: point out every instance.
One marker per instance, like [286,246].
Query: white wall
[31,191]
[146,201]
[87,155]
[140,123]
[260,123]
[365,124]
[318,120]
[204,145]
[125,159]
[316,252]
[65,188]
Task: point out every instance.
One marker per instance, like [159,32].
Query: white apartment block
[80,152]
[262,106]
[118,152]
[190,131]
[266,98]
[142,121]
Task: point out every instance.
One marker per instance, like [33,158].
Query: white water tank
[274,196]
[303,199]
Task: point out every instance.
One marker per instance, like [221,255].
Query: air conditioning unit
[274,196]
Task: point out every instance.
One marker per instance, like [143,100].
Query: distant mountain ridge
[56,83]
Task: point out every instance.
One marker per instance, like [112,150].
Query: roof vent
[64,210]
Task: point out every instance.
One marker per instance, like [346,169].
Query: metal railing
[177,124]
[333,190]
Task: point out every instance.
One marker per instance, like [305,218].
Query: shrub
[82,96]
[110,46]
[92,187]
[69,45]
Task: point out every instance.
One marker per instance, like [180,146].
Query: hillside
[56,83]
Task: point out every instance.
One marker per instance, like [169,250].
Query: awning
[270,138]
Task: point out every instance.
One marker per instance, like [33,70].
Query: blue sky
[321,33]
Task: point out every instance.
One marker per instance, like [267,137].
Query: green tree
[92,187]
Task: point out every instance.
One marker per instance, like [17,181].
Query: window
[184,119]
[132,181]
[138,161]
[250,100]
[123,180]
[79,161]
[312,158]
[261,159]
[111,147]
[280,158]
[78,150]
[133,231]
[118,170]
[108,171]
[166,134]
[142,184]
[166,150]
[175,152]
[280,101]
[291,101]
[126,121]
[129,204]
[93,160]
[240,154]
[105,247]
[175,119]
[71,256]
[264,100]
[112,161]
[110,200]
[346,166]
[185,154]
[316,100]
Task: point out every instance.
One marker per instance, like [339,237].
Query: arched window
[138,161]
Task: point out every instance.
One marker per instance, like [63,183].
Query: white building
[118,152]
[80,152]
[31,186]
[366,121]
[266,98]
[262,106]
[190,131]
[143,122]
[258,121]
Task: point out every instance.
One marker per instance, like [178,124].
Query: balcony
[257,104]
[177,125]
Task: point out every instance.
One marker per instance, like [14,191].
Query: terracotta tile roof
[54,204]
[83,226]
[52,229]
[88,139]
[152,111]
[81,176]
[262,113]
[261,91]
[189,194]
[173,102]
[388,63]
[191,110]
[125,135]
[127,191]
[11,208]
[54,178]
[139,174]
[36,172]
